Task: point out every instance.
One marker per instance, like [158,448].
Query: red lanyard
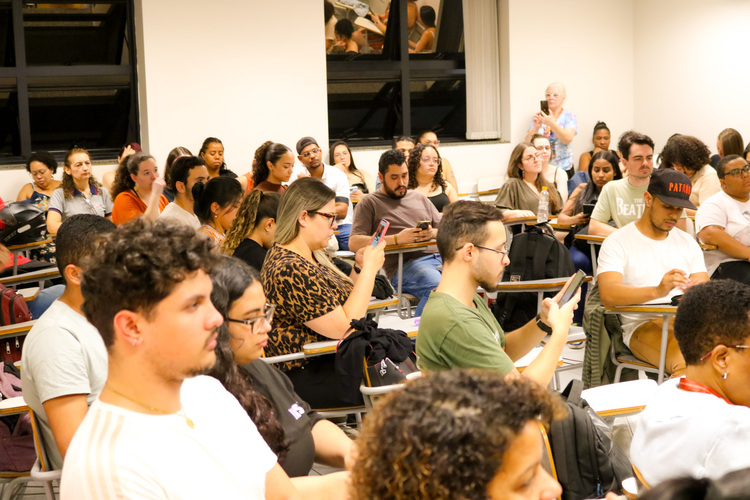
[692,386]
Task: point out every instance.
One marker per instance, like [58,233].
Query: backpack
[17,451]
[534,254]
[13,309]
[588,462]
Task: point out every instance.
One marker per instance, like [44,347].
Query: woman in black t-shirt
[253,229]
[294,431]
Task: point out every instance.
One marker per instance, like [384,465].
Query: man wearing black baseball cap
[647,262]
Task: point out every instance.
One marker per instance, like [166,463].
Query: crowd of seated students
[300,297]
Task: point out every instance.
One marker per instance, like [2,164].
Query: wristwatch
[542,325]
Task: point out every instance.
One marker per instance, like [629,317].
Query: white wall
[244,72]
[691,68]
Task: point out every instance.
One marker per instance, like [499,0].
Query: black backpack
[534,254]
[588,462]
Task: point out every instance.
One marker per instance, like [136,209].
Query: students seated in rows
[622,201]
[294,431]
[310,155]
[64,362]
[699,425]
[137,190]
[253,229]
[314,300]
[457,329]
[159,430]
[457,434]
[216,203]
[519,195]
[404,209]
[80,192]
[647,262]
[186,172]
[426,176]
[690,156]
[274,166]
[722,221]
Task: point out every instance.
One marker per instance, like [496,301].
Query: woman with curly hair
[457,434]
[79,193]
[253,229]
[520,193]
[690,156]
[294,431]
[273,165]
[426,176]
[137,189]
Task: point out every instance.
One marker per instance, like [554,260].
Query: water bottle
[542,213]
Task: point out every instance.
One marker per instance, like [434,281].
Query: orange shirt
[129,205]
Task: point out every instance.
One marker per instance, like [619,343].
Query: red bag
[13,310]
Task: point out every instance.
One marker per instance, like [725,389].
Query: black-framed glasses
[504,252]
[266,314]
[331,216]
[705,357]
[314,151]
[736,172]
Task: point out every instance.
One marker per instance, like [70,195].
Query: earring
[724,376]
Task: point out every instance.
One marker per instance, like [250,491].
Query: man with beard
[621,201]
[404,210]
[159,429]
[457,329]
[646,262]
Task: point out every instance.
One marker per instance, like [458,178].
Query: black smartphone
[588,209]
[545,107]
[573,287]
[380,233]
[423,224]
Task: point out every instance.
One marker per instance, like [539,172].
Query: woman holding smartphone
[314,300]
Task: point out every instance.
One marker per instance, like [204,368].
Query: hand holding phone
[572,287]
[380,233]
[423,224]
[544,106]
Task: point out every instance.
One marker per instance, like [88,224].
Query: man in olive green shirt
[457,329]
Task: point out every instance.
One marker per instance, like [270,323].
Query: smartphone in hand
[380,233]
[423,224]
[573,287]
[544,106]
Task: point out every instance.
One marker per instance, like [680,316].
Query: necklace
[181,413]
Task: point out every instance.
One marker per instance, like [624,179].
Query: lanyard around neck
[692,386]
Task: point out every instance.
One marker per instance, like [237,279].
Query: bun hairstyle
[222,190]
[601,126]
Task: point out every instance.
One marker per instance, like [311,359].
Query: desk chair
[12,481]
[41,470]
[488,187]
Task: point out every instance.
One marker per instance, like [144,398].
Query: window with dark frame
[67,78]
[384,91]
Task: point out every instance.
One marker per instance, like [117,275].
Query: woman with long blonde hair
[314,301]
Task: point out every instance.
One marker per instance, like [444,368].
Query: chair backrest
[547,461]
[38,444]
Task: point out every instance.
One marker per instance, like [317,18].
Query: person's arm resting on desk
[614,293]
[716,235]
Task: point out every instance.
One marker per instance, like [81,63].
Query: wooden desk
[593,242]
[665,311]
[13,406]
[400,250]
[16,250]
[16,330]
[39,276]
[538,286]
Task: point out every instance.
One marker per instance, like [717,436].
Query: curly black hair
[444,436]
[686,151]
[709,314]
[137,266]
[415,156]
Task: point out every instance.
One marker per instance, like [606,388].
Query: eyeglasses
[736,172]
[504,253]
[331,216]
[310,153]
[266,314]
[436,161]
[728,347]
[551,95]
